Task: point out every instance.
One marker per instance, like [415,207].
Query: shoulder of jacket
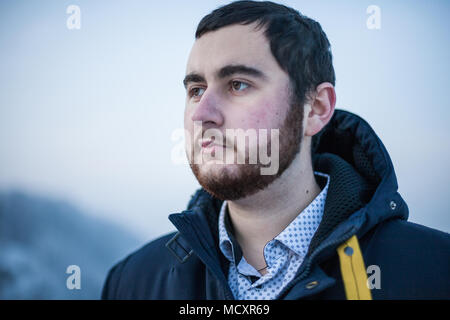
[409,244]
[402,230]
[153,253]
[412,260]
[150,261]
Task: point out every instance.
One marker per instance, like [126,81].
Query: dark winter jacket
[413,261]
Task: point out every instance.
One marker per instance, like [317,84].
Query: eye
[196,92]
[239,85]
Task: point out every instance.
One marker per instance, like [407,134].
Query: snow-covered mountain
[41,237]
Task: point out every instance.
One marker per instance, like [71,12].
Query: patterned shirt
[283,254]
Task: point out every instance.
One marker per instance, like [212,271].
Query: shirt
[284,254]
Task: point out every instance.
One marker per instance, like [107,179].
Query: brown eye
[196,92]
[238,85]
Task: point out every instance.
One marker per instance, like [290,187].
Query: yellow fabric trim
[353,270]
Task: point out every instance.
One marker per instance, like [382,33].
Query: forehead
[234,44]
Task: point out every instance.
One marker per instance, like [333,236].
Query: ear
[321,108]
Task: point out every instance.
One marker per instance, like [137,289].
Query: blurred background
[87,116]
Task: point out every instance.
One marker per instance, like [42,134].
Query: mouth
[210,146]
[206,143]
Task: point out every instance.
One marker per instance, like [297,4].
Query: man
[330,214]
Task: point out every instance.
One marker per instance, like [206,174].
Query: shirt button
[312,285]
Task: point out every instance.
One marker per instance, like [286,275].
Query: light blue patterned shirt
[284,254]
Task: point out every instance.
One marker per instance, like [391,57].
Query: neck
[259,218]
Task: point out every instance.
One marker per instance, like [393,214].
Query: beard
[247,179]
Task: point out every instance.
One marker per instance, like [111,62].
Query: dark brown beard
[249,180]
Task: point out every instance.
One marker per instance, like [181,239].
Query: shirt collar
[306,223]
[231,249]
[227,243]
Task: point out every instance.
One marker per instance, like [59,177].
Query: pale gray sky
[87,115]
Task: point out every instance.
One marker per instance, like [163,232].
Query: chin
[218,170]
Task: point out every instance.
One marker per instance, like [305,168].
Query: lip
[206,143]
[209,143]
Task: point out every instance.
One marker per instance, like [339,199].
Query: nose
[208,110]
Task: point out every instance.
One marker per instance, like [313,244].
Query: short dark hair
[298,43]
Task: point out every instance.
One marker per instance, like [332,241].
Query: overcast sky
[87,114]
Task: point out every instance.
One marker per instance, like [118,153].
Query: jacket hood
[362,190]
[363,183]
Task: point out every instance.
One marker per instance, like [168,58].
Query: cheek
[188,130]
[268,115]
[188,124]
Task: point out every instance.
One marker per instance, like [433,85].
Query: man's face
[234,82]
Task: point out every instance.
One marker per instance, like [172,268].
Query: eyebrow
[192,77]
[225,72]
